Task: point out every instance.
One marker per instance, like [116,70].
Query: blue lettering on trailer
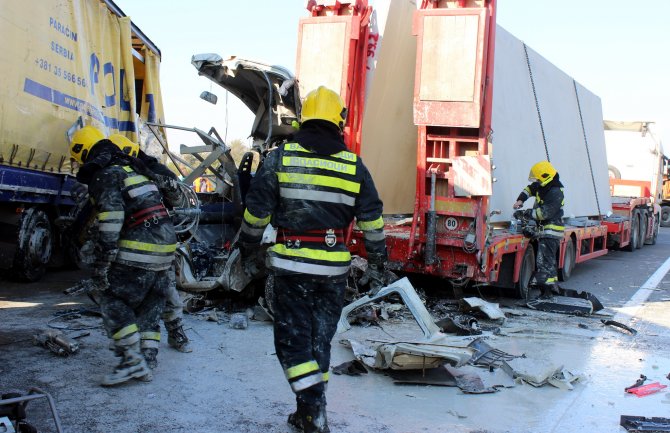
[62,51]
[64,29]
[108,69]
[56,97]
[94,70]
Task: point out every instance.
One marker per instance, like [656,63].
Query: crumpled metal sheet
[491,310]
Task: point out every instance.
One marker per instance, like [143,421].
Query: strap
[327,236]
[153,212]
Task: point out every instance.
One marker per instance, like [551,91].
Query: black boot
[309,418]
[151,357]
[177,338]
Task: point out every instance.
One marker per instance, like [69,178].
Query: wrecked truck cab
[258,86]
[205,259]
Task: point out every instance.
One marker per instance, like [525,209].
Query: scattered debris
[460,325]
[570,293]
[260,313]
[456,414]
[409,296]
[564,380]
[57,342]
[531,371]
[488,356]
[213,316]
[431,376]
[239,321]
[642,424]
[563,305]
[469,382]
[491,310]
[619,325]
[351,368]
[637,383]
[644,390]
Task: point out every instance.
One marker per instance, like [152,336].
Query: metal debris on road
[57,342]
[491,310]
[644,390]
[563,305]
[350,368]
[619,325]
[239,321]
[635,424]
[488,356]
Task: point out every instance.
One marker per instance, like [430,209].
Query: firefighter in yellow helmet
[548,213]
[134,249]
[311,189]
[126,145]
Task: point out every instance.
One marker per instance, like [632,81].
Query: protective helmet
[542,172]
[82,142]
[324,104]
[126,145]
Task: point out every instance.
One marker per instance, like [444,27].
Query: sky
[618,49]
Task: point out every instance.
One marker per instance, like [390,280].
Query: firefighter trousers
[545,264]
[135,298]
[306,313]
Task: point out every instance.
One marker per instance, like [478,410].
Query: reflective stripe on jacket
[119,192]
[303,191]
[548,207]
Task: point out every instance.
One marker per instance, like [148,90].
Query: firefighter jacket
[548,207]
[311,190]
[133,225]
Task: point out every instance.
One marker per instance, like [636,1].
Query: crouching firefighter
[548,213]
[311,189]
[134,250]
[168,185]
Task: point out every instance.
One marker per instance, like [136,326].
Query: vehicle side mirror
[209,97]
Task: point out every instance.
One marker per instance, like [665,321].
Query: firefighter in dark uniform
[311,189]
[548,213]
[167,183]
[133,253]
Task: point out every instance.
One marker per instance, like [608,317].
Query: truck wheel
[569,257]
[643,228]
[665,216]
[34,245]
[634,232]
[526,273]
[654,234]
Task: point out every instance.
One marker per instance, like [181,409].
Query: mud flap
[233,277]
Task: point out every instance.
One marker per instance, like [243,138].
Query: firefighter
[311,189]
[548,213]
[133,253]
[167,183]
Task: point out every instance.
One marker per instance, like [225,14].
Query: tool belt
[293,238]
[147,216]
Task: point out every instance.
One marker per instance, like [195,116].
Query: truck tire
[654,234]
[526,273]
[34,245]
[634,232]
[642,215]
[569,257]
[665,216]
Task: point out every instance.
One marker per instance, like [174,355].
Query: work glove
[78,192]
[376,277]
[252,265]
[526,214]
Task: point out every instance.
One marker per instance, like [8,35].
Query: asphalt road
[232,381]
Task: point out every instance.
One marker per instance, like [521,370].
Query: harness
[153,213]
[293,238]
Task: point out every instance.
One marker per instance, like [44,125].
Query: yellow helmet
[324,104]
[542,172]
[126,145]
[82,142]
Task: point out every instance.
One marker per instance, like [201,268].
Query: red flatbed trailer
[464,246]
